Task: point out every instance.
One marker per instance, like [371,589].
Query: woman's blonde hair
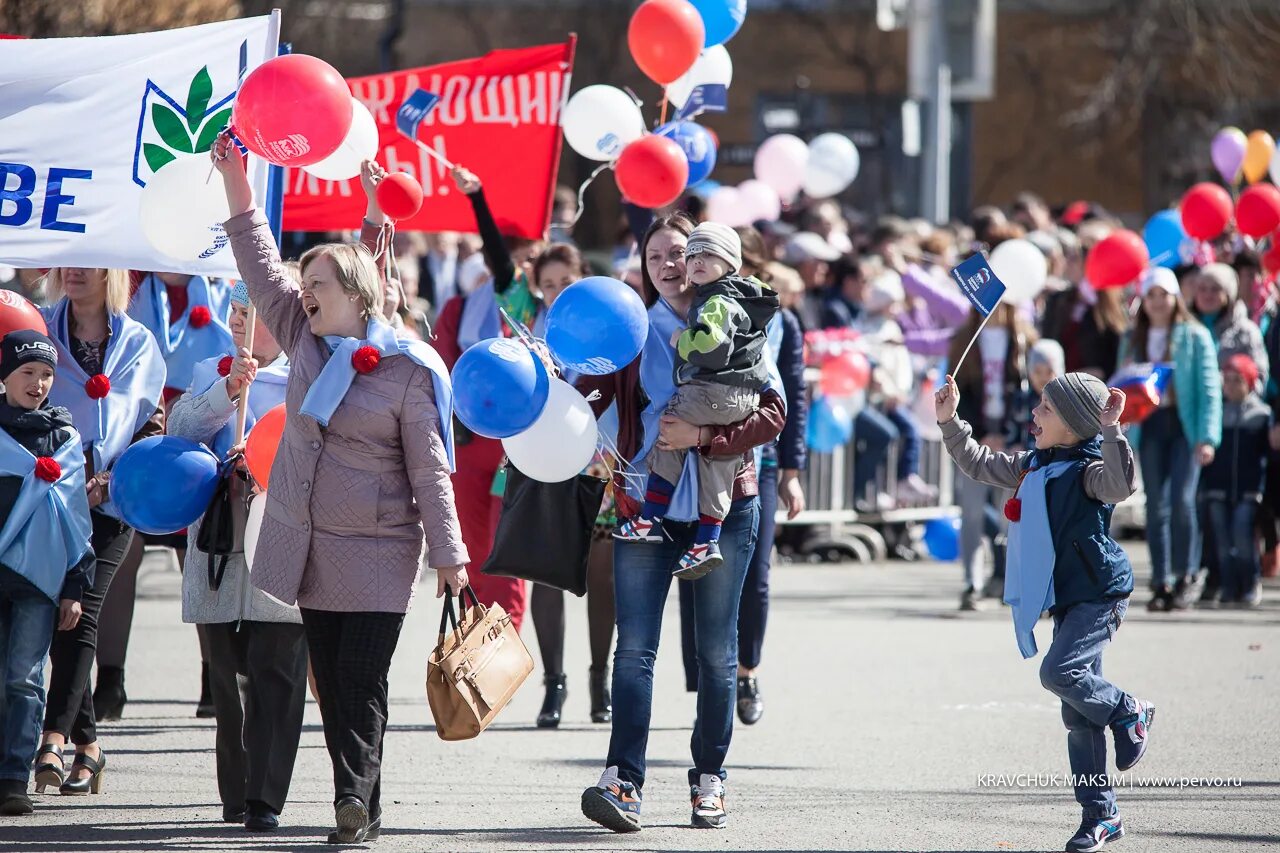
[117,289]
[356,273]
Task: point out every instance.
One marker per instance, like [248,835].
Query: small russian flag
[979,284]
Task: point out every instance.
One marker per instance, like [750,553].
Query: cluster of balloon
[698,145]
[1116,260]
[1251,157]
[784,167]
[174,499]
[500,388]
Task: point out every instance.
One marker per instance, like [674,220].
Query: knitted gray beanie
[1079,399]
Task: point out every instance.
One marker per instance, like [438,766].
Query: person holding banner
[362,472]
[111,378]
[253,638]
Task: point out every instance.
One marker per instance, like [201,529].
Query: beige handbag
[476,667]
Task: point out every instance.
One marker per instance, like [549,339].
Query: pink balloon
[781,162]
[760,201]
[1227,151]
[725,205]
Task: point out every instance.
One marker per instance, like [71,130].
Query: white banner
[85,124]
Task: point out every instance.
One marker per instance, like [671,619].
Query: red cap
[1246,367]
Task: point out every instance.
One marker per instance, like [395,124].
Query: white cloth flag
[85,123]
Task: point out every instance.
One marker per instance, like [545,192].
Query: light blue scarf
[328,389]
[182,346]
[1028,585]
[48,530]
[266,392]
[136,369]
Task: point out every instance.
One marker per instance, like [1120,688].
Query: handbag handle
[448,616]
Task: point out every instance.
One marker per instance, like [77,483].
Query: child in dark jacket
[720,369]
[46,563]
[1062,559]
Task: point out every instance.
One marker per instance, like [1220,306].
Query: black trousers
[547,606]
[69,708]
[258,678]
[350,656]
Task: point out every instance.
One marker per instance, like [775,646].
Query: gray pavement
[884,708]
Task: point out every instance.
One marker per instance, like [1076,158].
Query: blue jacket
[1195,382]
[790,447]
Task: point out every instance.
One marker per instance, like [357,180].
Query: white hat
[713,238]
[808,246]
[883,291]
[1160,278]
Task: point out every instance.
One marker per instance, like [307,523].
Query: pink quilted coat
[348,504]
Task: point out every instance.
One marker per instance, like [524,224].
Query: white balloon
[713,67]
[599,121]
[781,163]
[725,206]
[183,207]
[1022,267]
[833,164]
[561,442]
[759,201]
[361,144]
[253,527]
[1275,167]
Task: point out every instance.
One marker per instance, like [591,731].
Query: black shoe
[91,784]
[1132,734]
[50,774]
[1093,834]
[204,708]
[353,822]
[109,697]
[969,599]
[1161,600]
[601,701]
[260,817]
[553,703]
[14,801]
[233,814]
[375,829]
[750,705]
[1186,592]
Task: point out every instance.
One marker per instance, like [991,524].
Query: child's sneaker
[639,529]
[1132,733]
[1094,832]
[708,802]
[699,560]
[612,803]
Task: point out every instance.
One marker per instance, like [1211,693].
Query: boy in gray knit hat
[1061,558]
[720,369]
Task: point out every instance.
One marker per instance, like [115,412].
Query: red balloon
[293,110]
[845,374]
[1271,257]
[665,37]
[1258,210]
[17,314]
[1206,210]
[262,444]
[1116,260]
[652,171]
[399,195]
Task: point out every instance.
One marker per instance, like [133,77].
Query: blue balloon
[499,387]
[1166,239]
[830,426]
[597,326]
[942,538]
[698,144]
[163,483]
[722,19]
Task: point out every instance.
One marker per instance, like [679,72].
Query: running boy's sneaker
[1094,833]
[1132,733]
[699,560]
[639,529]
[708,802]
[612,803]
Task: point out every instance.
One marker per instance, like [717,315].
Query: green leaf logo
[198,98]
[212,127]
[156,155]
[170,128]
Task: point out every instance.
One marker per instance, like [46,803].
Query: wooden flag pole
[242,410]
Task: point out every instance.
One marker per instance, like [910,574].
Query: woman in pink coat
[361,473]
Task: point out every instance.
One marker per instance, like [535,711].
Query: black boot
[549,716]
[109,696]
[204,709]
[601,702]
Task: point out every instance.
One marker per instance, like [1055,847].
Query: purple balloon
[1228,152]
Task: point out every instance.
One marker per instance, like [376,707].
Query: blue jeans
[872,435]
[1238,561]
[26,630]
[1072,671]
[1169,478]
[911,444]
[641,580]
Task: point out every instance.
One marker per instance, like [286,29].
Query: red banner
[499,115]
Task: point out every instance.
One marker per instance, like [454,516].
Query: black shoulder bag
[222,529]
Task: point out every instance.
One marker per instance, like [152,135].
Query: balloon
[1271,257]
[713,68]
[361,144]
[182,209]
[725,206]
[600,121]
[261,446]
[163,483]
[499,387]
[561,442]
[665,37]
[1205,210]
[294,110]
[1259,149]
[942,538]
[1116,259]
[597,326]
[833,164]
[399,195]
[1227,152]
[1258,210]
[1275,167]
[781,162]
[830,426]
[845,374]
[698,145]
[1166,239]
[17,313]
[652,172]
[720,18]
[1022,267]
[759,201]
[253,528]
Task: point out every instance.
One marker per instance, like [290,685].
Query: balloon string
[663,120]
[582,190]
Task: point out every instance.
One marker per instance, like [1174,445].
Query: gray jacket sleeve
[982,463]
[200,416]
[1114,478]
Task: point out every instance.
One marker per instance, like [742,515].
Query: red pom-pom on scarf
[224,366]
[98,386]
[48,469]
[365,359]
[200,317]
[1013,509]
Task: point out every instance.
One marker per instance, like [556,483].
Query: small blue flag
[707,98]
[979,284]
[415,108]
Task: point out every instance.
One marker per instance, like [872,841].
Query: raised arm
[1115,478]
[979,462]
[495,247]
[946,304]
